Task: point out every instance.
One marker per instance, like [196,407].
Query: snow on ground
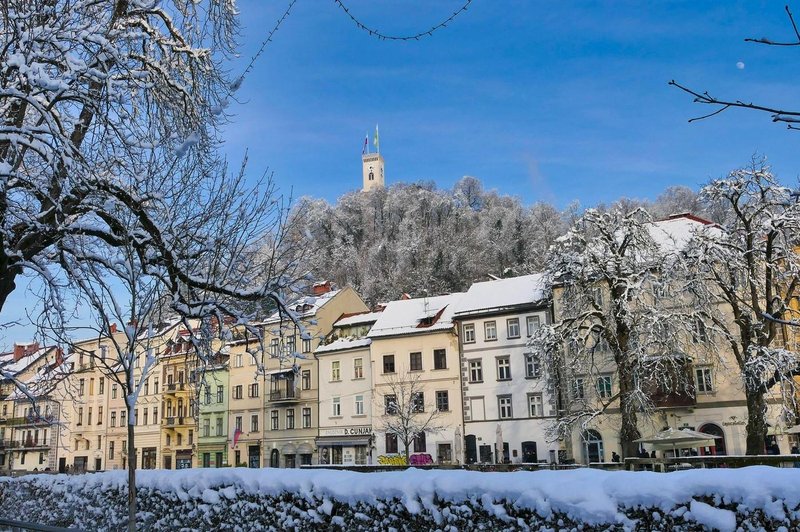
[590,496]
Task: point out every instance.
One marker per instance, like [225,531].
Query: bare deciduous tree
[406,413]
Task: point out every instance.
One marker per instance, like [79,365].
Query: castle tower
[372,164]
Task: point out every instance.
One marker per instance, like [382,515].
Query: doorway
[529,454]
[719,444]
[592,447]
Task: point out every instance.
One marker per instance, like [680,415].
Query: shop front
[345,445]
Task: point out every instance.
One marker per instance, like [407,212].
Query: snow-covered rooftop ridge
[343,343]
[499,294]
[675,231]
[357,319]
[304,306]
[14,367]
[407,316]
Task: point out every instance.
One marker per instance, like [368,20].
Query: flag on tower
[377,140]
[366,144]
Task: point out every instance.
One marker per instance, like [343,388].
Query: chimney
[404,297]
[320,288]
[24,350]
[113,328]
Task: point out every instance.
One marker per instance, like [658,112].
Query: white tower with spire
[372,165]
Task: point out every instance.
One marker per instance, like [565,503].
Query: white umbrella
[499,455]
[678,438]
[457,446]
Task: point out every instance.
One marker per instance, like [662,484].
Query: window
[533,367]
[336,371]
[180,439]
[535,405]
[418,402]
[155,415]
[337,407]
[208,395]
[504,406]
[359,405]
[220,393]
[705,381]
[699,332]
[99,443]
[290,419]
[254,423]
[442,401]
[103,353]
[191,436]
[439,359]
[122,416]
[489,331]
[390,404]
[113,419]
[111,450]
[475,371]
[155,386]
[146,390]
[532,323]
[577,389]
[274,419]
[415,361]
[388,363]
[99,415]
[252,390]
[91,386]
[102,386]
[239,362]
[512,327]
[206,428]
[238,423]
[604,386]
[273,347]
[80,415]
[113,391]
[358,368]
[420,446]
[81,387]
[307,418]
[291,344]
[468,333]
[220,428]
[306,378]
[237,391]
[307,345]
[391,443]
[504,368]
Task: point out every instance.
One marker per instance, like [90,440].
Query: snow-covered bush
[254,499]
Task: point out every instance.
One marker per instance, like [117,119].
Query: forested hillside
[409,238]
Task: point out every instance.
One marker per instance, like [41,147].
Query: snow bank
[244,499]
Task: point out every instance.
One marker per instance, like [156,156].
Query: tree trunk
[131,478]
[629,430]
[756,421]
[7,283]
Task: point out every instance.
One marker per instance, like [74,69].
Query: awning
[288,449]
[305,448]
[341,442]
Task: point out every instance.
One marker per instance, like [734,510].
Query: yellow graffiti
[392,459]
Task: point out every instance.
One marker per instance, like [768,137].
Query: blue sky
[552,101]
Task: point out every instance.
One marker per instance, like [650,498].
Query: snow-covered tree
[617,337]
[749,273]
[406,413]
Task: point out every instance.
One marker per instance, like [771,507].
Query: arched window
[719,443]
[592,446]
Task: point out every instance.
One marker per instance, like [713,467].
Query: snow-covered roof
[360,318]
[14,367]
[305,306]
[501,294]
[342,344]
[405,316]
[674,232]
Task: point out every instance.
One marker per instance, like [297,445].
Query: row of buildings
[335,391]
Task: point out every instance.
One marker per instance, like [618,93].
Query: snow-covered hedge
[253,499]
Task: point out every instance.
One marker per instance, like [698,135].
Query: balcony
[9,444]
[177,421]
[29,421]
[277,396]
[174,387]
[31,444]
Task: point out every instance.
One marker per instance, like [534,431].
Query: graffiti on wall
[392,459]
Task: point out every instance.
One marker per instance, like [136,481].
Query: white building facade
[506,403]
